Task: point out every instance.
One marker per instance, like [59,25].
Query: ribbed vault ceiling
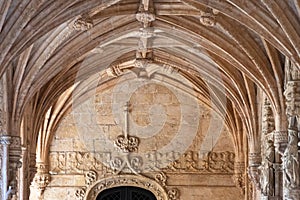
[241,53]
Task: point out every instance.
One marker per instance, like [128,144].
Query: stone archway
[126,193]
[151,185]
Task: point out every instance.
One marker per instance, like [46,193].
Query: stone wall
[171,127]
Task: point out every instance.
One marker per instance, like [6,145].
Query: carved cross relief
[125,142]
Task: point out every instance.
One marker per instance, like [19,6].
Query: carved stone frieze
[213,162]
[104,162]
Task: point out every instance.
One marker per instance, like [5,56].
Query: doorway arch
[126,193]
[155,187]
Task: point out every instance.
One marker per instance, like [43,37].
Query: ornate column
[4,141]
[290,157]
[15,153]
[268,176]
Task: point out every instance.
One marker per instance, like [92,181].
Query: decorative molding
[105,162]
[94,187]
[213,162]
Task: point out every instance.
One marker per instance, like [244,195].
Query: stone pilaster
[290,157]
[15,153]
[5,142]
[267,174]
[253,169]
[239,176]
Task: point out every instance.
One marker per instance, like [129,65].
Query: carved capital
[254,159]
[5,140]
[42,177]
[15,150]
[280,138]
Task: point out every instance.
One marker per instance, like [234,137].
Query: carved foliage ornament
[79,162]
[94,187]
[208,17]
[127,144]
[83,23]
